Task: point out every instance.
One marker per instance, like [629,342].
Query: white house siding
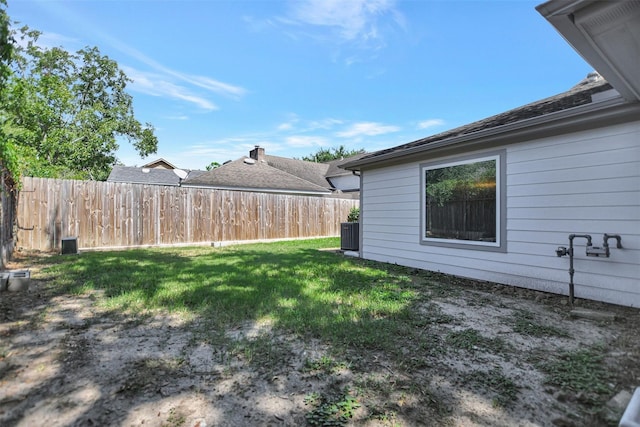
[581,183]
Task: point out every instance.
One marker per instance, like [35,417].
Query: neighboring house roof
[256,175]
[160,163]
[261,172]
[312,172]
[579,95]
[335,166]
[146,175]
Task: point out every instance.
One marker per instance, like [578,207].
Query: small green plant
[496,382]
[354,215]
[471,340]
[331,411]
[581,371]
[324,365]
[175,419]
[263,351]
[525,323]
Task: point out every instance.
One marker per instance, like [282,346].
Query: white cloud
[174,80]
[285,126]
[324,124]
[214,149]
[292,120]
[303,126]
[430,123]
[305,141]
[213,85]
[353,19]
[178,117]
[157,85]
[367,129]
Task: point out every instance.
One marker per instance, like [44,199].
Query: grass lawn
[399,346]
[291,285]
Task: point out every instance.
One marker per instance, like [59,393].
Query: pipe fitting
[618,238]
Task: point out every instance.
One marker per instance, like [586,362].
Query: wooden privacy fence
[7,217]
[106,214]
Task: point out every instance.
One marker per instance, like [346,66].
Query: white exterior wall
[582,183]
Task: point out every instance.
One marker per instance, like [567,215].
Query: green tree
[66,111]
[324,155]
[8,155]
[212,166]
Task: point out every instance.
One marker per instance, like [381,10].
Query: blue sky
[216,77]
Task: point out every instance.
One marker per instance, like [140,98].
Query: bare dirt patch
[486,355]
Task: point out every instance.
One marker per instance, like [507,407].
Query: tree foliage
[324,155]
[212,165]
[66,111]
[8,156]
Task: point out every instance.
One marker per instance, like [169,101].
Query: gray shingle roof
[574,97]
[136,175]
[266,176]
[335,168]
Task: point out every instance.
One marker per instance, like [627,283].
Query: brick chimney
[257,153]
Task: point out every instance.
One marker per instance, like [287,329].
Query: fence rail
[106,214]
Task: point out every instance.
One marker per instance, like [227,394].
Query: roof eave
[605,34]
[258,190]
[546,125]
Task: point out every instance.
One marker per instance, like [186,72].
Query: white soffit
[606,34]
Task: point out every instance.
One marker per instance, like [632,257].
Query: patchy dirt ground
[66,362]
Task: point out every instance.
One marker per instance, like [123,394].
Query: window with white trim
[462,202]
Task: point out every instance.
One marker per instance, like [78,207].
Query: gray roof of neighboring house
[335,168]
[578,95]
[312,172]
[275,174]
[154,176]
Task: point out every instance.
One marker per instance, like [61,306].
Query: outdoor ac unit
[69,245]
[350,236]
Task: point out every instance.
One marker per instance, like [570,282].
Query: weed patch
[323,366]
[494,381]
[525,323]
[581,371]
[265,352]
[472,341]
[331,410]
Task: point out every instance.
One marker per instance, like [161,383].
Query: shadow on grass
[304,291]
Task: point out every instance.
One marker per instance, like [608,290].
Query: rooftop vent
[593,77]
[181,174]
[145,170]
[249,161]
